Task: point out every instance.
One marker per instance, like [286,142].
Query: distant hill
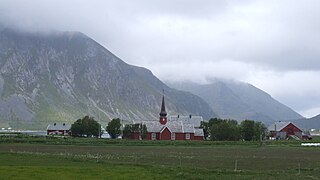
[63,76]
[239,101]
[308,123]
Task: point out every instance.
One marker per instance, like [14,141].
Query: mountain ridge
[64,76]
[308,123]
[237,100]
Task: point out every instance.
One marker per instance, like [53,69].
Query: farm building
[282,130]
[58,129]
[174,128]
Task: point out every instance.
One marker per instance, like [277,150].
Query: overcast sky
[272,44]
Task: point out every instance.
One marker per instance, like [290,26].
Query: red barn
[282,130]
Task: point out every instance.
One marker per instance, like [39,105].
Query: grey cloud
[232,39]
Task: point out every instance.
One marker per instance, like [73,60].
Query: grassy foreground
[127,160]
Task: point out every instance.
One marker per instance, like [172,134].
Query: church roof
[174,126]
[195,120]
[58,126]
[153,126]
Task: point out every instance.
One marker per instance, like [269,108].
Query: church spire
[163,108]
[163,113]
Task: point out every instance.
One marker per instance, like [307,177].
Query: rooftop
[58,126]
[195,120]
[278,126]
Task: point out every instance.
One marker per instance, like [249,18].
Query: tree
[229,130]
[205,126]
[141,129]
[113,128]
[223,130]
[247,130]
[127,131]
[260,131]
[85,127]
[253,131]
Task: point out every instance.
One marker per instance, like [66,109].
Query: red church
[175,128]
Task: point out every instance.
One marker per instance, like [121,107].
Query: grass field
[138,160]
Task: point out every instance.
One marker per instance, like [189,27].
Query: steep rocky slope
[58,76]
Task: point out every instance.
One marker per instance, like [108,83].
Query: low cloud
[273,45]
[201,72]
[299,89]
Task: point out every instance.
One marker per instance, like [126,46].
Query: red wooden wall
[290,129]
[165,134]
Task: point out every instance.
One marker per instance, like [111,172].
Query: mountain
[308,123]
[62,76]
[239,101]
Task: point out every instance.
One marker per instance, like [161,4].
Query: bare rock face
[56,77]
[240,101]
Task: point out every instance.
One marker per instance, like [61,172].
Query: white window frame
[187,135]
[153,136]
[173,136]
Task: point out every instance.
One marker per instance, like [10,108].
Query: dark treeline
[229,130]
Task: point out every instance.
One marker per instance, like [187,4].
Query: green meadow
[25,157]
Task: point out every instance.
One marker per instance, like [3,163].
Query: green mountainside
[55,77]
